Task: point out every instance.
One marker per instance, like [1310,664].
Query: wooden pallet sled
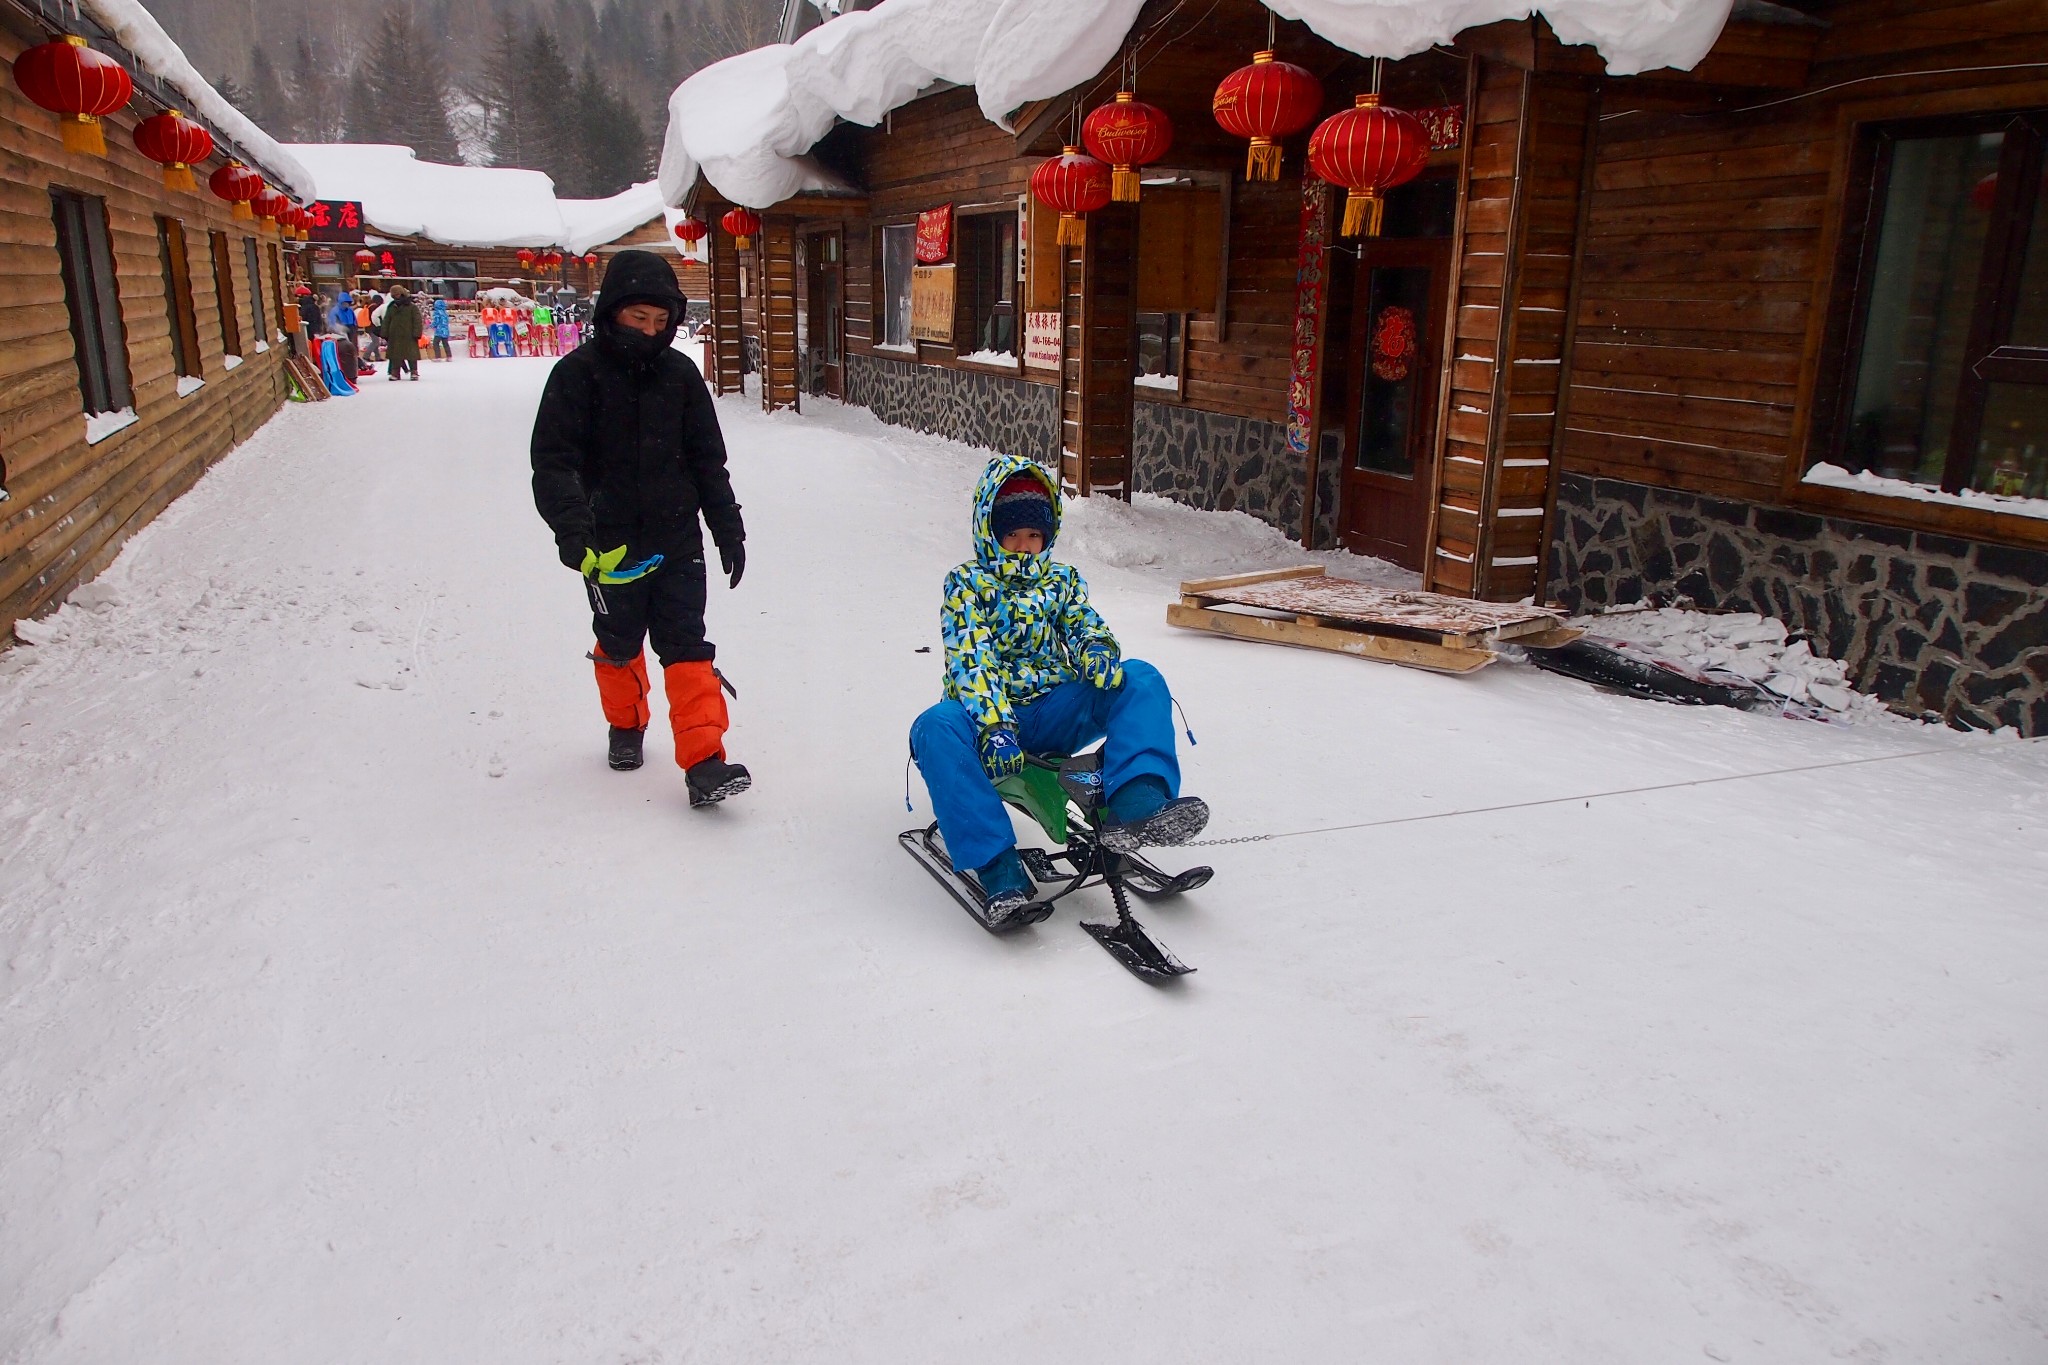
[1306,608]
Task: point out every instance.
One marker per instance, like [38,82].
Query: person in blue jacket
[342,317]
[439,327]
[1032,667]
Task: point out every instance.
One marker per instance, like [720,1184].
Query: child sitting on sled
[1031,668]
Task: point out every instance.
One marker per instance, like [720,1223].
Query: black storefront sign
[336,220]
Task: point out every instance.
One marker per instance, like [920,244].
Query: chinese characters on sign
[336,220]
[935,235]
[931,304]
[1307,349]
[1446,125]
[1042,341]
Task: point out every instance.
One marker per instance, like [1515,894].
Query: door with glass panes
[1398,305]
[824,309]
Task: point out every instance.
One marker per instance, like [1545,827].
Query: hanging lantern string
[1140,59]
[1379,65]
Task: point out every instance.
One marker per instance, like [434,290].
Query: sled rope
[1620,791]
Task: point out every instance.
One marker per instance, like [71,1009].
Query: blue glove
[1001,755]
[1101,668]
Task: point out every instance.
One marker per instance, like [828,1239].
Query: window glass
[170,241]
[446,279]
[2012,451]
[1397,309]
[250,259]
[91,294]
[1159,350]
[899,255]
[1930,245]
[1426,207]
[988,264]
[224,295]
[2030,311]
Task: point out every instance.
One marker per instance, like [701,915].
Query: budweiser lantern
[690,230]
[1127,133]
[270,205]
[1076,184]
[177,144]
[237,184]
[79,85]
[1265,101]
[742,224]
[1368,149]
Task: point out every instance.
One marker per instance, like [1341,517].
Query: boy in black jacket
[626,456]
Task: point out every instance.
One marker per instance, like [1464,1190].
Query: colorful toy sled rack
[1306,608]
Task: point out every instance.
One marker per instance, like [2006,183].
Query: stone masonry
[1932,624]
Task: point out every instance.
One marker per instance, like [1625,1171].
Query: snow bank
[745,123]
[1834,476]
[139,32]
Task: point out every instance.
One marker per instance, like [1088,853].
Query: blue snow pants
[1136,718]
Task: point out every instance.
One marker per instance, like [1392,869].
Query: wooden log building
[142,329]
[1770,334]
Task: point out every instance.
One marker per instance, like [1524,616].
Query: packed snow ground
[354,1010]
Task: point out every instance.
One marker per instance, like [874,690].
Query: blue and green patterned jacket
[1014,626]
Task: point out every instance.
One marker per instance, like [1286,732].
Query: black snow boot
[1176,822]
[625,748]
[715,779]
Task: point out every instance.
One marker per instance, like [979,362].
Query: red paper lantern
[1265,101]
[1075,184]
[526,258]
[1368,149]
[270,205]
[551,260]
[590,259]
[79,85]
[237,184]
[1127,134]
[177,144]
[742,224]
[366,260]
[691,230]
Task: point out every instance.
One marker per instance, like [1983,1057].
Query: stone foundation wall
[1930,623]
[989,410]
[1218,462]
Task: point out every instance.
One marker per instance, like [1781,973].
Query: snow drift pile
[746,123]
[1740,649]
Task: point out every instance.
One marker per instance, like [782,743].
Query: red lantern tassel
[82,134]
[1262,161]
[1123,184]
[1362,212]
[241,210]
[1073,229]
[743,243]
[178,176]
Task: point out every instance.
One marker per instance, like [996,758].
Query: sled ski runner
[1060,794]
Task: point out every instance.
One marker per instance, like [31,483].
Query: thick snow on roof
[743,123]
[472,206]
[135,29]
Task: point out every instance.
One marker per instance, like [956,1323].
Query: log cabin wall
[777,312]
[70,505]
[1709,344]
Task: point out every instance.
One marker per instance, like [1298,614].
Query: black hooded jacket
[626,446]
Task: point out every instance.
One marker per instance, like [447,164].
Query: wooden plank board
[1196,586]
[1358,644]
[1457,622]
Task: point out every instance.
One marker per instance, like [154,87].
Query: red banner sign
[336,220]
[935,235]
[1309,290]
[1446,125]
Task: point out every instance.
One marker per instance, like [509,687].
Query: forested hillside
[576,88]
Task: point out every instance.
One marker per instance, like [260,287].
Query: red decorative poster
[1393,343]
[1310,285]
[1446,125]
[935,235]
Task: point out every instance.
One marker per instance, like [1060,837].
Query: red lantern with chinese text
[177,144]
[1368,149]
[1266,101]
[237,184]
[79,85]
[691,230]
[1075,184]
[742,224]
[270,205]
[1127,133]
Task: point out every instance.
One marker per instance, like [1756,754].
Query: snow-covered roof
[470,206]
[138,31]
[745,122]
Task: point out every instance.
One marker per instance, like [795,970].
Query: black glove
[732,560]
[571,550]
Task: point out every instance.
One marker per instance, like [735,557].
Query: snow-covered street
[353,1010]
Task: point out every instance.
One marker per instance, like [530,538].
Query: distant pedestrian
[440,330]
[309,312]
[402,334]
[343,318]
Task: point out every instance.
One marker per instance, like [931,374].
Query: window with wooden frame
[1943,330]
[1160,353]
[896,250]
[224,295]
[273,261]
[257,312]
[170,243]
[1180,272]
[99,337]
[986,249]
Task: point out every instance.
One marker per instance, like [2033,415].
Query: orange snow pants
[696,708]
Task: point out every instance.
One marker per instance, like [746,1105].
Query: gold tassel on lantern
[82,134]
[241,210]
[1262,161]
[743,243]
[1123,184]
[1362,212]
[1073,230]
[178,176]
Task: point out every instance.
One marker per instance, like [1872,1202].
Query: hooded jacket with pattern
[1014,626]
[626,445]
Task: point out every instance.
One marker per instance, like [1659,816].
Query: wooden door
[1400,292]
[825,314]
